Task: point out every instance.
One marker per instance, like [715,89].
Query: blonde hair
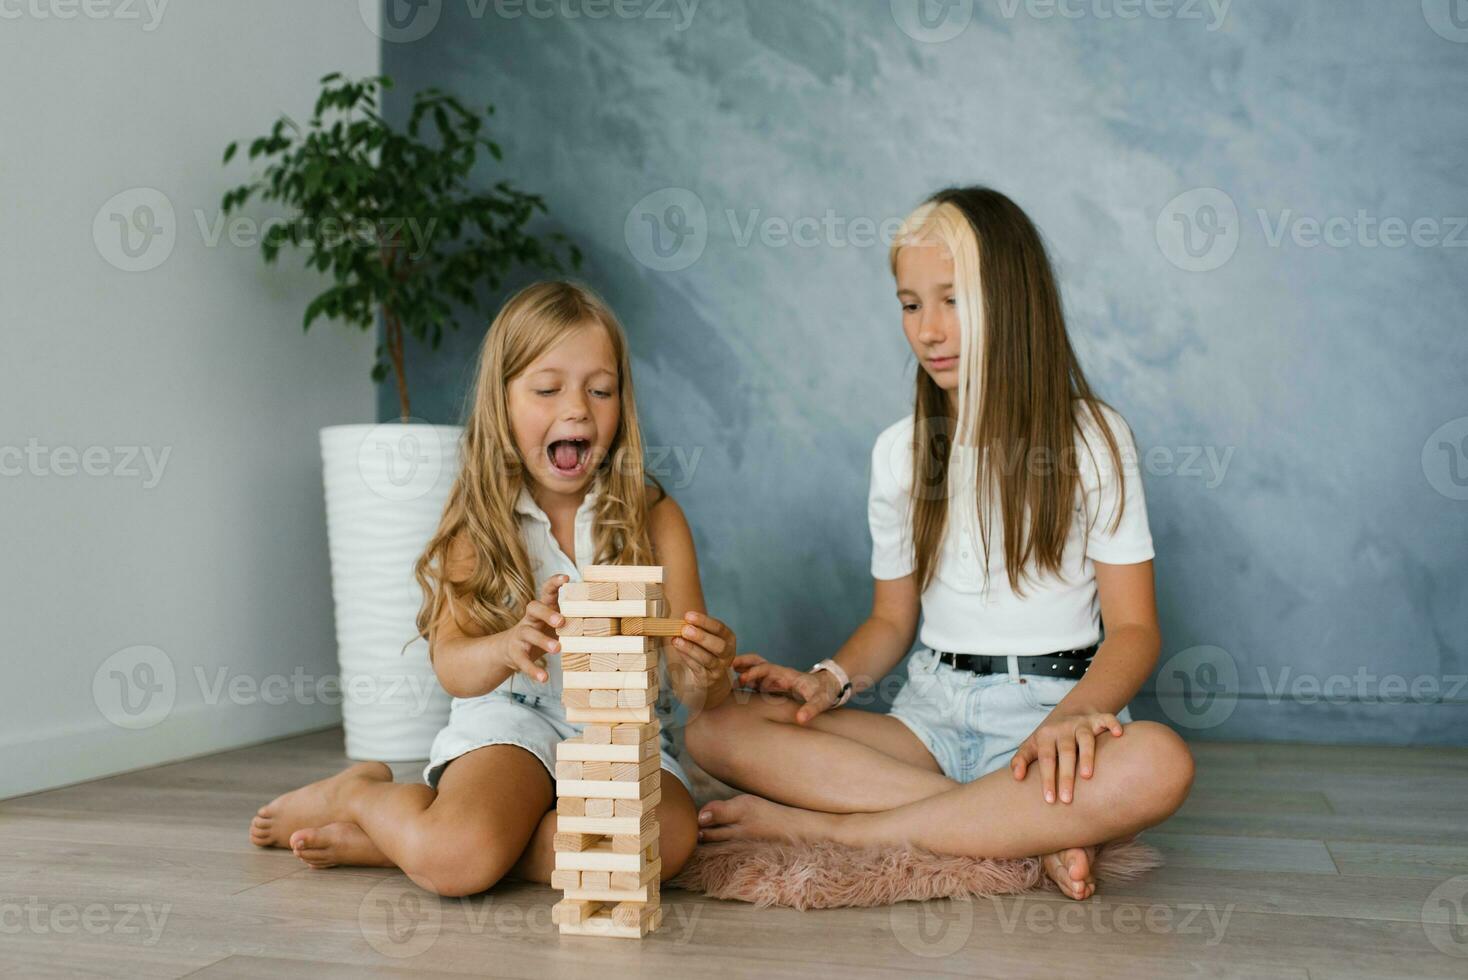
[1020,390]
[479,516]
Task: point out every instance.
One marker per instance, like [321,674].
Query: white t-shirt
[1056,612]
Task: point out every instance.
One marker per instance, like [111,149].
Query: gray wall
[1309,523]
[162,532]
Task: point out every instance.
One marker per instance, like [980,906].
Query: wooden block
[572,911]
[612,789]
[628,808]
[575,750]
[634,734]
[579,715]
[573,806]
[630,913]
[599,880]
[602,925]
[634,661]
[633,843]
[615,609]
[574,698]
[597,734]
[638,894]
[623,573]
[639,590]
[640,626]
[599,857]
[569,770]
[572,839]
[614,827]
[609,679]
[587,592]
[598,771]
[647,660]
[652,851]
[601,699]
[649,875]
[603,644]
[635,697]
[568,881]
[590,627]
[574,661]
[632,772]
[599,807]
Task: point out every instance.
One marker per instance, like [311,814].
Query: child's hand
[1060,743]
[523,647]
[707,647]
[818,691]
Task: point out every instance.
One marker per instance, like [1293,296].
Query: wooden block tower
[607,778]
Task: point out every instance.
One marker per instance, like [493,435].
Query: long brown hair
[480,512]
[1021,391]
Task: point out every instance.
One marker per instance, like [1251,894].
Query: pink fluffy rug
[827,876]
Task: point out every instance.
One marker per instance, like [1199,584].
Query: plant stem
[395,351]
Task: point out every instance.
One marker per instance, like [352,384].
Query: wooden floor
[1288,861]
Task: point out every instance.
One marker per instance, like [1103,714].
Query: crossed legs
[864,779]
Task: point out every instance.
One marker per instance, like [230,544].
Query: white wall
[220,563]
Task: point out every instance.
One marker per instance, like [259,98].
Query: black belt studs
[1069,663]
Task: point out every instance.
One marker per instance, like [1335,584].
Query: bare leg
[456,840]
[461,838]
[676,838]
[1140,780]
[310,806]
[844,761]
[337,843]
[833,768]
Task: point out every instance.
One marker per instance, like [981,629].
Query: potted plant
[392,216]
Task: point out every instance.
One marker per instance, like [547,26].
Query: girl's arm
[1133,640]
[469,666]
[699,666]
[868,655]
[1064,744]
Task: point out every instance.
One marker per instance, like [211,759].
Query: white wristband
[837,672]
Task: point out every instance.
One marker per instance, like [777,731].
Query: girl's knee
[1160,766]
[678,819]
[700,735]
[457,864]
[737,713]
[676,841]
[457,880]
[711,731]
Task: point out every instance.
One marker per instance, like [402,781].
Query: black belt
[1067,663]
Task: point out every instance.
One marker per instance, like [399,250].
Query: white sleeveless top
[546,560]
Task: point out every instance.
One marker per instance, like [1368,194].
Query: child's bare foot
[755,818]
[337,843]
[314,805]
[1071,870]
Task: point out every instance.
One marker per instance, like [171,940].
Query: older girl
[1007,512]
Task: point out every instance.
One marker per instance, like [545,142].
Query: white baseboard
[72,755]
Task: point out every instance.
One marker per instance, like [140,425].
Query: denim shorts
[972,724]
[533,720]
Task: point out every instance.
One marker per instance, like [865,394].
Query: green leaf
[437,241]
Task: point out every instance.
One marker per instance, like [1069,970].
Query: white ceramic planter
[385,489]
